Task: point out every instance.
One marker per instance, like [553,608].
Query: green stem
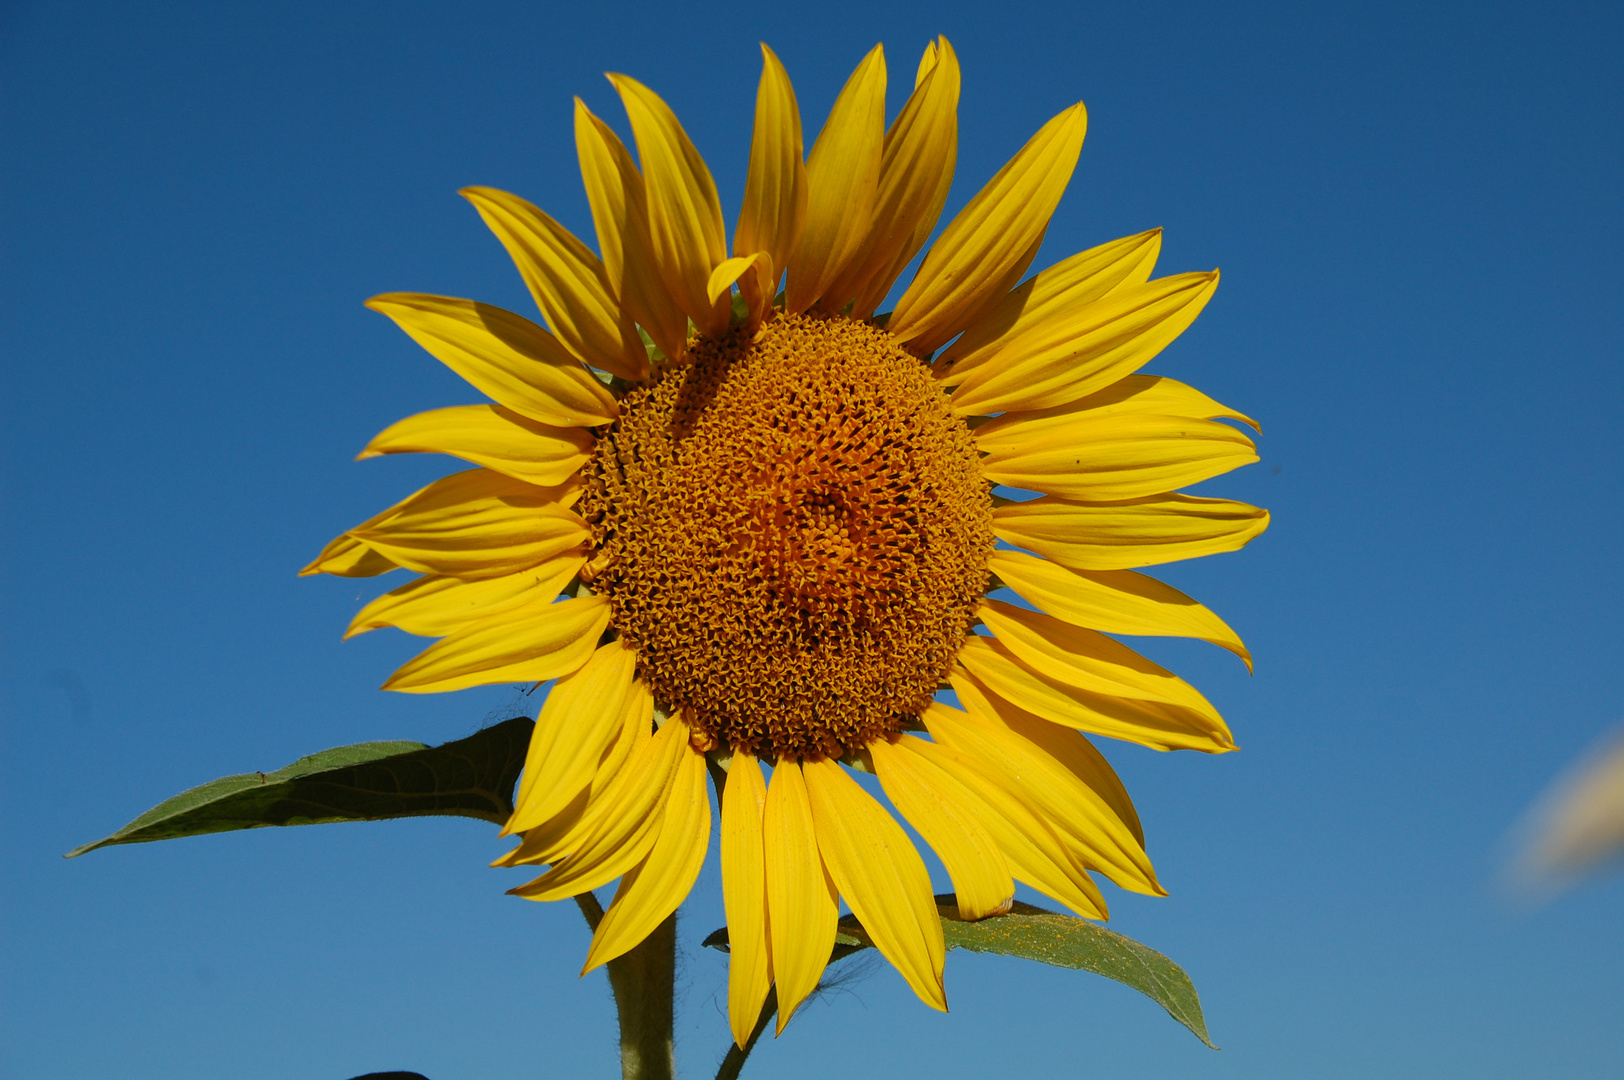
[735,1053]
[644,984]
[591,909]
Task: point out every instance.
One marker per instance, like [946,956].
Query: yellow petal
[684,214]
[1123,535]
[636,728]
[547,842]
[744,895]
[877,870]
[345,556]
[567,281]
[988,246]
[566,830]
[916,169]
[476,524]
[615,191]
[1067,285]
[757,267]
[1115,601]
[843,179]
[1070,749]
[926,797]
[1156,724]
[1079,351]
[1134,396]
[622,824]
[577,724]
[491,436]
[508,358]
[1093,832]
[758,290]
[657,886]
[803,907]
[1035,854]
[874,291]
[774,210]
[434,606]
[1121,457]
[530,644]
[1087,659]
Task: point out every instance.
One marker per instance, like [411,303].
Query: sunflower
[744,527]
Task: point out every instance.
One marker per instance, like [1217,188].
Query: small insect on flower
[770,517]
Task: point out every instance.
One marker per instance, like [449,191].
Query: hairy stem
[644,983]
[591,909]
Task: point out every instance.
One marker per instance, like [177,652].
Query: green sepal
[846,943]
[472,777]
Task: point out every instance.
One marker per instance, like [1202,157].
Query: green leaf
[470,777]
[1067,941]
[1049,937]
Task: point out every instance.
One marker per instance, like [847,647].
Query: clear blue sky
[1417,212]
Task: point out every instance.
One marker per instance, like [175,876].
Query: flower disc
[793,532]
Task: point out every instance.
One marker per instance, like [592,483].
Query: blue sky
[1416,211]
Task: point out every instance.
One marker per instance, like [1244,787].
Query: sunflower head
[757,522]
[793,533]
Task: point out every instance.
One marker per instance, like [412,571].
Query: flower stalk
[643,981]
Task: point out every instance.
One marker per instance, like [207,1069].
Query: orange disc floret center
[793,532]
